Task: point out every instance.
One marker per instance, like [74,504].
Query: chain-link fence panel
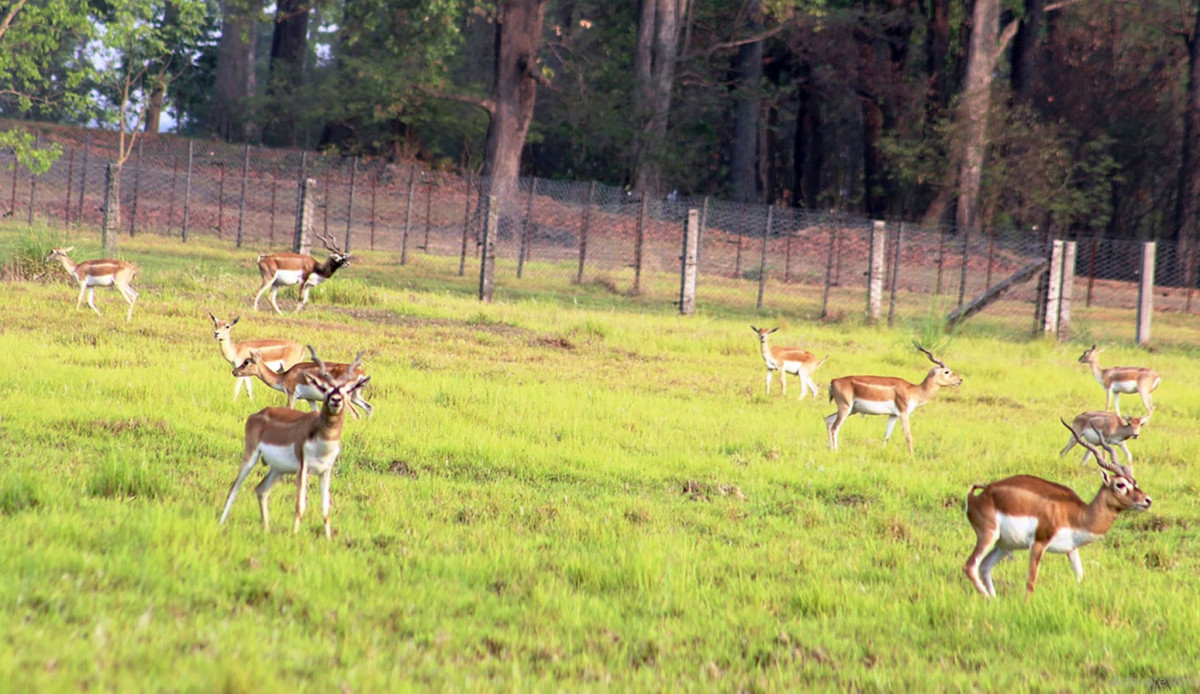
[586,238]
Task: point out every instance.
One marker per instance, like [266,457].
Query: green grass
[567,489]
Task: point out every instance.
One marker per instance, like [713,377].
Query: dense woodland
[1082,117]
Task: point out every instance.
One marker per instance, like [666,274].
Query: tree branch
[8,19]
[1011,29]
[486,104]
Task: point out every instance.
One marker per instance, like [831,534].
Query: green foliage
[30,246]
[20,493]
[23,144]
[118,476]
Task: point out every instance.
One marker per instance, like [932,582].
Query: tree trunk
[937,58]
[1024,50]
[973,113]
[289,45]
[654,71]
[158,89]
[744,182]
[514,94]
[808,151]
[234,81]
[1186,209]
[112,208]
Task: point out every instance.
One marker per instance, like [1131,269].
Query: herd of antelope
[286,440]
[1016,513]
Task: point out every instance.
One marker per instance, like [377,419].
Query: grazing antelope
[277,354]
[788,360]
[98,273]
[1121,379]
[894,397]
[296,384]
[285,269]
[1107,427]
[293,442]
[1026,512]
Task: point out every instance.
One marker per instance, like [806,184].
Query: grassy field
[560,490]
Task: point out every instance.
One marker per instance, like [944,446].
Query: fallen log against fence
[994,292]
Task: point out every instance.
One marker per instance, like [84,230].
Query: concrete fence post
[1145,293]
[304,220]
[1054,285]
[1066,291]
[875,270]
[691,244]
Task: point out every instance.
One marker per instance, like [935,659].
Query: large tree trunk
[1189,175]
[937,58]
[744,183]
[1024,50]
[158,88]
[808,153]
[234,82]
[654,71]
[974,108]
[289,45]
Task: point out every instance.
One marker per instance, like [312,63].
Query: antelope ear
[316,381]
[214,318]
[1146,419]
[1104,476]
[362,382]
[234,321]
[754,328]
[68,249]
[256,354]
[772,330]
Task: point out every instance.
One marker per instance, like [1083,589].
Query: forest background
[1068,117]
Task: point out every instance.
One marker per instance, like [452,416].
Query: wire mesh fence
[583,237]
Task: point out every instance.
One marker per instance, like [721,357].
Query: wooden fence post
[242,204]
[898,246]
[1145,293]
[690,258]
[762,263]
[639,239]
[1053,298]
[875,270]
[1066,291]
[350,201]
[487,266]
[187,189]
[829,269]
[585,222]
[304,220]
[412,192]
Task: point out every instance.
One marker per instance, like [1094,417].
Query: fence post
[762,263]
[487,265]
[690,259]
[898,247]
[1145,293]
[37,143]
[428,211]
[71,183]
[876,269]
[1066,291]
[12,201]
[962,279]
[639,239]
[242,203]
[412,193]
[526,225]
[83,172]
[221,200]
[941,257]
[1053,286]
[829,269]
[304,220]
[137,185]
[374,183]
[271,219]
[737,259]
[1092,271]
[350,201]
[112,208]
[466,228]
[583,232]
[171,199]
[187,189]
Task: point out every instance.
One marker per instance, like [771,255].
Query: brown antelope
[886,395]
[788,360]
[1121,379]
[1026,512]
[277,354]
[296,384]
[285,269]
[98,273]
[293,442]
[1096,427]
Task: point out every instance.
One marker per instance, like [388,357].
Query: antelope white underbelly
[319,454]
[99,281]
[284,278]
[313,280]
[1124,387]
[1019,532]
[887,407]
[307,392]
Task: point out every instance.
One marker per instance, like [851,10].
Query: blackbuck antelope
[1121,379]
[296,383]
[788,360]
[1106,427]
[292,442]
[98,273]
[278,355]
[285,269]
[1026,512]
[886,395]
